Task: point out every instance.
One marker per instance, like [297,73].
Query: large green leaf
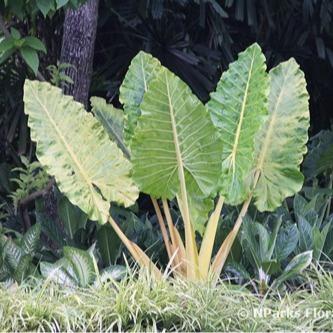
[237,109]
[174,134]
[142,69]
[89,168]
[281,142]
[112,120]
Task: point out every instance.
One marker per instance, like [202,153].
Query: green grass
[141,304]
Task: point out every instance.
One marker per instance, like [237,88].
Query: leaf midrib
[175,135]
[143,75]
[241,117]
[269,132]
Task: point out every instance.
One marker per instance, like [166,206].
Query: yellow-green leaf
[281,143]
[89,169]
[238,107]
[140,72]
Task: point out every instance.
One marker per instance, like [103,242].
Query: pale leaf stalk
[207,244]
[225,248]
[141,258]
[181,246]
[179,259]
[162,227]
[192,258]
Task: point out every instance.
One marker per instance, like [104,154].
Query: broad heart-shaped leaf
[281,142]
[237,109]
[140,72]
[174,133]
[112,120]
[89,169]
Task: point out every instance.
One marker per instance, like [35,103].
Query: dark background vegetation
[198,39]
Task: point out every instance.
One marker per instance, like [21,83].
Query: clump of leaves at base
[78,268]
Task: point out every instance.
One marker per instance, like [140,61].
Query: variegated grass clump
[142,303]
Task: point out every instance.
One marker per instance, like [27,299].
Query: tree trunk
[78,48]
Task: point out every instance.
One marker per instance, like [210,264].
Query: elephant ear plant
[246,143]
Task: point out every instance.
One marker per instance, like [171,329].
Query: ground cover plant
[179,148]
[143,304]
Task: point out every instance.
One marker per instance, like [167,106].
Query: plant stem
[140,257]
[162,227]
[26,219]
[225,248]
[207,244]
[169,221]
[176,245]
